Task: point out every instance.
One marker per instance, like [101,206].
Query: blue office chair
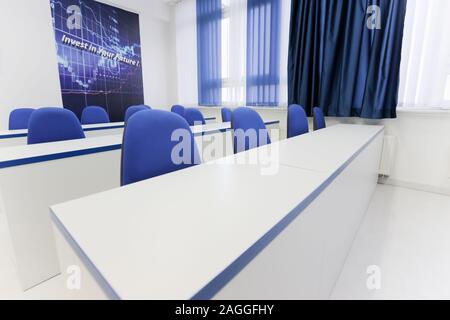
[297,121]
[19,118]
[134,109]
[94,115]
[180,110]
[54,124]
[226,114]
[249,130]
[194,117]
[148,146]
[319,119]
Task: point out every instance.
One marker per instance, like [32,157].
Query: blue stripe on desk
[219,282]
[110,292]
[15,135]
[198,134]
[106,128]
[70,154]
[24,135]
[56,156]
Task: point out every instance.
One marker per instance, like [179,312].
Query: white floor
[406,235]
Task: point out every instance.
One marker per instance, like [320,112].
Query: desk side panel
[28,191]
[305,260]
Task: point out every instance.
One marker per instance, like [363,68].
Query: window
[225,52]
[233,52]
[425,71]
[209,43]
[263,52]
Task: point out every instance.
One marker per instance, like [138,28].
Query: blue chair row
[58,124]
[94,115]
[19,118]
[135,109]
[148,146]
[298,120]
[192,116]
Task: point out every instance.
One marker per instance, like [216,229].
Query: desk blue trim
[69,154]
[24,135]
[57,156]
[85,259]
[15,135]
[105,128]
[269,123]
[229,129]
[219,282]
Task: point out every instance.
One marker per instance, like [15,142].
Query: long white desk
[34,177]
[226,230]
[19,137]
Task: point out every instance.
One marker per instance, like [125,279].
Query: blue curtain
[339,59]
[263,52]
[209,39]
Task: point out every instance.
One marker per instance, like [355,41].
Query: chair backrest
[148,150]
[194,117]
[135,109]
[226,114]
[54,124]
[180,110]
[94,115]
[19,118]
[249,130]
[297,121]
[319,119]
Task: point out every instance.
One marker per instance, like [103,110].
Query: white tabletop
[210,128]
[169,237]
[5,134]
[40,152]
[25,154]
[323,150]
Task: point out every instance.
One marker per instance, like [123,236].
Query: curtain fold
[340,61]
[263,52]
[209,39]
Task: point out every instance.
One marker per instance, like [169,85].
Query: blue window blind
[263,52]
[209,39]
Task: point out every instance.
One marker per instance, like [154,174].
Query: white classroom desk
[223,230]
[19,137]
[33,177]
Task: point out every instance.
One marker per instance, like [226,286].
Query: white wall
[185,17]
[422,158]
[28,65]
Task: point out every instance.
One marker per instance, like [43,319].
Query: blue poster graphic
[99,56]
